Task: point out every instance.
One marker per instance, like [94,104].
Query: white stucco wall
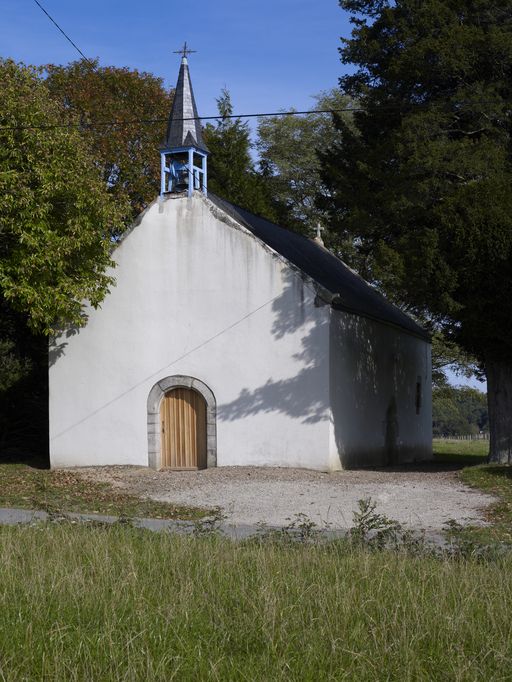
[199,297]
[374,369]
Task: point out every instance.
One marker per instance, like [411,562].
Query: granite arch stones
[155,398]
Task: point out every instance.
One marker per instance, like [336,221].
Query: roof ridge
[351,292]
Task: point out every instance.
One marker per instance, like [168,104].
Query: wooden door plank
[183,429]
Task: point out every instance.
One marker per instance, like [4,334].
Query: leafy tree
[288,148]
[446,354]
[458,411]
[126,152]
[231,172]
[56,219]
[424,183]
[446,417]
[55,214]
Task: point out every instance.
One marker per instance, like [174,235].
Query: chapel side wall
[196,296]
[374,369]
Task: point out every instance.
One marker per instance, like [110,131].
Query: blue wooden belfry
[184,153]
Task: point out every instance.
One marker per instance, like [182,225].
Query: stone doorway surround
[156,396]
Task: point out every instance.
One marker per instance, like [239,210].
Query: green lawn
[497,480]
[491,478]
[472,451]
[81,603]
[59,491]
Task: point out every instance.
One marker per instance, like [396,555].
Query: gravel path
[420,498]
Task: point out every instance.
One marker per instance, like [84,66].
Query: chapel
[229,340]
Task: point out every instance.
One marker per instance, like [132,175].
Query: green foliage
[231,173]
[126,154]
[55,214]
[458,411]
[289,161]
[13,366]
[424,182]
[422,186]
[446,354]
[372,529]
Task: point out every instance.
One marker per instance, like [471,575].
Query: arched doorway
[162,402]
[183,429]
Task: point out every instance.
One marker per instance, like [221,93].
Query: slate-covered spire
[184,152]
[184,133]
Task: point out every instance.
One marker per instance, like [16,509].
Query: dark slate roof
[182,133]
[352,293]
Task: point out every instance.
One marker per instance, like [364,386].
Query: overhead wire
[99,124]
[149,121]
[64,34]
[146,121]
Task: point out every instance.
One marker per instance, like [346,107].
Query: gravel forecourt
[420,497]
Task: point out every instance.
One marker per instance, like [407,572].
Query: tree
[23,386]
[424,183]
[56,218]
[288,148]
[55,213]
[458,411]
[127,152]
[446,418]
[231,172]
[446,354]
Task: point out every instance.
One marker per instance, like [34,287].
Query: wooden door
[183,429]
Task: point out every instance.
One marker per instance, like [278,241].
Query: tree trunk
[499,401]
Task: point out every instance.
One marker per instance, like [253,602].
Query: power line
[150,121]
[65,34]
[145,121]
[98,124]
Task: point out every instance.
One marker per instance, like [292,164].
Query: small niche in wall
[418,395]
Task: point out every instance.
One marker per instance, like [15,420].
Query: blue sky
[270,54]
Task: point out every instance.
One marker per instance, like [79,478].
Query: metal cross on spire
[184,50]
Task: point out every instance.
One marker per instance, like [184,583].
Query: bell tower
[184,153]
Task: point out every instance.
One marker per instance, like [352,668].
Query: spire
[180,132]
[184,152]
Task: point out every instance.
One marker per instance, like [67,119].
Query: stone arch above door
[155,398]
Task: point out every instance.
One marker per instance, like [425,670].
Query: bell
[182,179]
[179,174]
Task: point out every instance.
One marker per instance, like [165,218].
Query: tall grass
[81,603]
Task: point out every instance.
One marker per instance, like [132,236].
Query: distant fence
[472,436]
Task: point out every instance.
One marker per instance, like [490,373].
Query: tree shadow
[501,470]
[373,374]
[360,376]
[57,349]
[429,466]
[304,395]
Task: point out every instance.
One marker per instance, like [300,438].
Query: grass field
[491,478]
[82,603]
[90,602]
[64,491]
[474,451]
[497,480]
